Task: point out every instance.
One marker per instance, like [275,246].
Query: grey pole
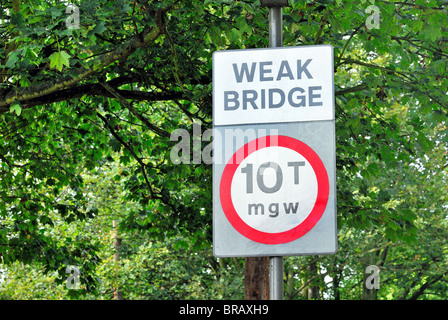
[275,40]
[275,263]
[275,26]
[275,278]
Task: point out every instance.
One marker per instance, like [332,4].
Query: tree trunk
[312,290]
[289,284]
[256,280]
[336,279]
[118,295]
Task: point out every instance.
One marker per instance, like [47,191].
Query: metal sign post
[275,40]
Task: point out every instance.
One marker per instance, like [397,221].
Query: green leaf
[24,82]
[16,107]
[12,59]
[99,28]
[59,59]
[234,35]
[424,142]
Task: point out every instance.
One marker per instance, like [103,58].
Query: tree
[74,100]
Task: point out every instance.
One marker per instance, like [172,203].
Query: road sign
[262,194]
[286,84]
[274,181]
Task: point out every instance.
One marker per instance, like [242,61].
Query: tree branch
[51,86]
[346,45]
[98,90]
[359,87]
[131,151]
[131,108]
[426,285]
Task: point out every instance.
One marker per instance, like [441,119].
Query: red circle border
[323,189]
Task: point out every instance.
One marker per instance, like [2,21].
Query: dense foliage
[86,116]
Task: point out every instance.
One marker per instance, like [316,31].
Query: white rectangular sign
[273,85]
